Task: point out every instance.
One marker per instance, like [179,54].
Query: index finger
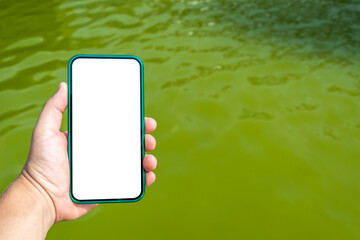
[150,125]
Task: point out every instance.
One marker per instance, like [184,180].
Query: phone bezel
[91,201]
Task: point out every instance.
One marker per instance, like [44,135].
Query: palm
[48,165]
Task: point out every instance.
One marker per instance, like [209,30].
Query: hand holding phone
[39,197]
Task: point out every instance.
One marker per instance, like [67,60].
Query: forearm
[26,211]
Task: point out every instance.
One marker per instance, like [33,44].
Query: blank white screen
[106,129]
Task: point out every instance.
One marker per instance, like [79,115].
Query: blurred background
[257,103]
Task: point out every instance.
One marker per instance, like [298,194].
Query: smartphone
[106,128]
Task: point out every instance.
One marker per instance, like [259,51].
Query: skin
[39,197]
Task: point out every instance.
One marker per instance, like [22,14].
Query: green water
[257,103]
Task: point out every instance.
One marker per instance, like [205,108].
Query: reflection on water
[257,104]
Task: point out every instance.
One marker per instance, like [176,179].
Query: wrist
[26,210]
[36,196]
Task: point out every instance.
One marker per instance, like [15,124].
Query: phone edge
[72,59]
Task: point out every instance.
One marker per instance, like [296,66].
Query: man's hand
[46,172]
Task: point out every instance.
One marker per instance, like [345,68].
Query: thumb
[51,115]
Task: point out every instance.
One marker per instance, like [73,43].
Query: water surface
[257,103]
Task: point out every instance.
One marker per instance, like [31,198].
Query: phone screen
[105,128]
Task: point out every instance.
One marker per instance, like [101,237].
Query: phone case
[142,126]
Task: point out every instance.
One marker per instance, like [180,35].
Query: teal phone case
[142,127]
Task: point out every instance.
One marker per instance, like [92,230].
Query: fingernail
[60,86]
